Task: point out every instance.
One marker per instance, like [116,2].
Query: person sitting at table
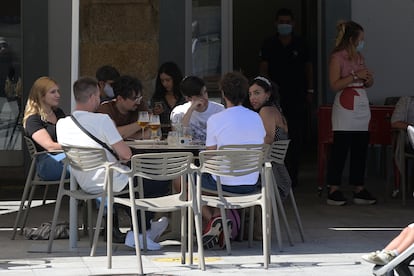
[264,99]
[402,117]
[167,94]
[39,121]
[124,108]
[106,75]
[235,125]
[86,93]
[196,111]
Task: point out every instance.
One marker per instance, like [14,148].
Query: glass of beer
[143,121]
[155,125]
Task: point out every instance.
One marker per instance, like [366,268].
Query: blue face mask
[284,29]
[360,46]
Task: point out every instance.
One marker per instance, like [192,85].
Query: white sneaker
[380,258]
[151,245]
[157,228]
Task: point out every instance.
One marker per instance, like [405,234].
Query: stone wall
[122,33]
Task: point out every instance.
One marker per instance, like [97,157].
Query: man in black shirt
[285,59]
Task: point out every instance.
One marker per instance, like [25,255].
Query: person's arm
[43,138]
[122,149]
[187,116]
[336,82]
[130,131]
[268,118]
[211,147]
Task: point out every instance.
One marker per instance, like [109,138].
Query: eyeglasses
[136,98]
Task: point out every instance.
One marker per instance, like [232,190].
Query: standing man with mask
[285,59]
[106,75]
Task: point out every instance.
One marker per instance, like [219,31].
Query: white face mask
[109,91]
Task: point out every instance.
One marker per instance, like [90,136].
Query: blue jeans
[50,166]
[208,182]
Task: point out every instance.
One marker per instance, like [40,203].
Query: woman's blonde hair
[35,103]
[347,34]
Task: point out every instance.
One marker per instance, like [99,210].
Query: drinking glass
[143,121]
[172,138]
[154,124]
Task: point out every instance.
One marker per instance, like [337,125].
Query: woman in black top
[167,94]
[40,117]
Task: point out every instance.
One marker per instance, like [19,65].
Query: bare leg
[404,240]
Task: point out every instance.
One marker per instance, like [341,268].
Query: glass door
[210,36]
[11,109]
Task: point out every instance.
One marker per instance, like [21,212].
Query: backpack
[234,216]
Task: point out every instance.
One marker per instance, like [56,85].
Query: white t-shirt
[198,120]
[236,125]
[101,126]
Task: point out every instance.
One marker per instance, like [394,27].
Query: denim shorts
[208,182]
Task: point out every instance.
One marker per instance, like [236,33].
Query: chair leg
[242,223]
[282,210]
[89,207]
[190,233]
[275,217]
[226,230]
[97,227]
[201,261]
[183,231]
[27,209]
[403,184]
[45,194]
[22,205]
[265,220]
[298,219]
[251,226]
[136,238]
[54,221]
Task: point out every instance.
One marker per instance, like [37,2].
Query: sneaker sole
[212,234]
[361,201]
[335,202]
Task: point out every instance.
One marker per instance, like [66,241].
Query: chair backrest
[85,158]
[277,151]
[231,162]
[262,147]
[161,166]
[30,146]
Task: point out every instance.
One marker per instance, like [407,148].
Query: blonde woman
[348,78]
[40,117]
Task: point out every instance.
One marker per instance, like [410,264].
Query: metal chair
[276,155]
[32,181]
[233,163]
[83,159]
[162,167]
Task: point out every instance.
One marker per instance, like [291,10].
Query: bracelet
[311,91]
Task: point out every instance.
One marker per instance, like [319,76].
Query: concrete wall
[389,44]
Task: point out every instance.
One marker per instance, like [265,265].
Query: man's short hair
[83,88]
[191,86]
[107,72]
[127,86]
[235,87]
[284,12]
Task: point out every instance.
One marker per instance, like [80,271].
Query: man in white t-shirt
[198,109]
[100,125]
[235,125]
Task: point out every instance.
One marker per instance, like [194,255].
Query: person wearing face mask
[348,78]
[106,75]
[285,60]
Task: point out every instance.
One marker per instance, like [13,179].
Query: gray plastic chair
[32,181]
[165,166]
[234,163]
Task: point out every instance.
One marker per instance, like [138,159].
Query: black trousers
[356,143]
